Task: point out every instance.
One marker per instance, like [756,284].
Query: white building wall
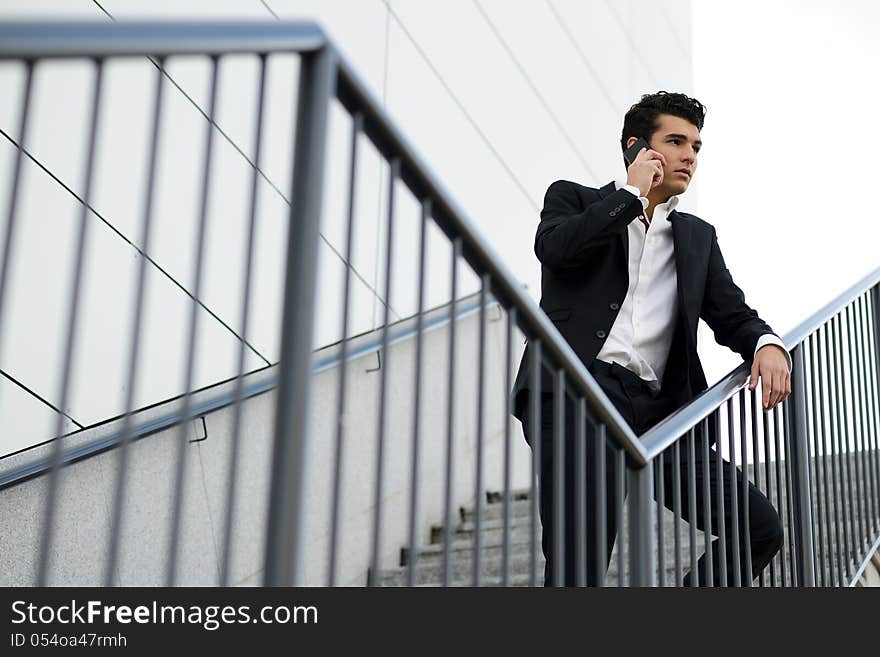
[499,98]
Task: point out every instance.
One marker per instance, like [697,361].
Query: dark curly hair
[641,119]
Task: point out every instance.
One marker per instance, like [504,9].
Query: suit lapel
[681,239]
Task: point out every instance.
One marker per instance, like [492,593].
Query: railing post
[875,297]
[800,470]
[640,482]
[284,534]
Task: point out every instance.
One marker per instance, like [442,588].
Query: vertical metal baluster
[835,480]
[56,456]
[824,405]
[744,455]
[580,492]
[232,467]
[734,503]
[765,418]
[814,462]
[619,483]
[846,486]
[535,433]
[284,536]
[357,128]
[799,446]
[412,560]
[848,454]
[867,423]
[661,539]
[558,547]
[780,485]
[641,526]
[756,411]
[190,357]
[857,415]
[858,420]
[707,504]
[601,512]
[450,413]
[871,391]
[478,478]
[134,353]
[820,375]
[692,507]
[719,500]
[676,508]
[11,216]
[376,551]
[793,543]
[872,303]
[508,412]
[867,481]
[858,423]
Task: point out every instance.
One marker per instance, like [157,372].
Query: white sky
[787,173]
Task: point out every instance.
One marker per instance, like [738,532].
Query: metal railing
[823,473]
[831,416]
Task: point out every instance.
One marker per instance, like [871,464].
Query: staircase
[429,562]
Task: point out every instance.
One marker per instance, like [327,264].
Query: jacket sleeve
[724,309]
[568,230]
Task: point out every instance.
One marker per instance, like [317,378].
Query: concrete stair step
[492,531]
[430,559]
[429,569]
[520,505]
[429,572]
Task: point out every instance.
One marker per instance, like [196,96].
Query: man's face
[679,141]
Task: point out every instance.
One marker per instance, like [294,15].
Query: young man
[625,277]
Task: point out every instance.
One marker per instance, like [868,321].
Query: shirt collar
[670,205]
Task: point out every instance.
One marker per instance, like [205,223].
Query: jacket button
[614,306]
[600,334]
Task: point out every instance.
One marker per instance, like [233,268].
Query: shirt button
[600,334]
[614,306]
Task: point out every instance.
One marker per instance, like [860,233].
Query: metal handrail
[32,40]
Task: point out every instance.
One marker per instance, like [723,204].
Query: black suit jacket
[583,248]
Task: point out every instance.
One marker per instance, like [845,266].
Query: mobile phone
[630,153]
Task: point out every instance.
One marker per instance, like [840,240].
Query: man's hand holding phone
[646,170]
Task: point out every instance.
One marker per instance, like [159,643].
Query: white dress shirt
[641,335]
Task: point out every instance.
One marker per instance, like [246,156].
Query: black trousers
[642,408]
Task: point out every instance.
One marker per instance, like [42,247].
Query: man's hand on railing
[771,365]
